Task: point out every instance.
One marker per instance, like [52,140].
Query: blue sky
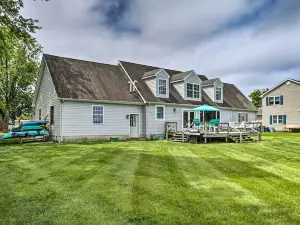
[251,43]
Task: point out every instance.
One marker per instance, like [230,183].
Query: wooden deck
[220,132]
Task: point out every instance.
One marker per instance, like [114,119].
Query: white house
[89,100]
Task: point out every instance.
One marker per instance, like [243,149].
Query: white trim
[97,114]
[132,81]
[139,127]
[274,100]
[279,85]
[277,119]
[61,120]
[189,98]
[159,94]
[246,118]
[160,119]
[219,100]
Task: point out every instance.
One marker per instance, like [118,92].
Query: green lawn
[151,183]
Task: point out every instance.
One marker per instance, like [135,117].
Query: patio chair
[214,124]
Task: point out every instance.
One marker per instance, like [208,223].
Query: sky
[253,44]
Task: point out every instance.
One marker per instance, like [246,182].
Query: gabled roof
[233,97]
[151,73]
[180,76]
[209,82]
[84,80]
[291,80]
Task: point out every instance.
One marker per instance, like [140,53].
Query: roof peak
[76,59]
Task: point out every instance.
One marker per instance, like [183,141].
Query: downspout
[61,129]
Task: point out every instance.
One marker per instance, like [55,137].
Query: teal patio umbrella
[206,108]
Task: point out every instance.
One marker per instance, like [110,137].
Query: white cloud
[182,35]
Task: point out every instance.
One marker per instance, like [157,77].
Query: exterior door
[134,125]
[188,117]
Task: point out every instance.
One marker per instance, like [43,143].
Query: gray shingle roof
[209,82]
[180,76]
[150,73]
[78,79]
[233,97]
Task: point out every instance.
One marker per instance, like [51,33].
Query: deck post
[241,137]
[182,136]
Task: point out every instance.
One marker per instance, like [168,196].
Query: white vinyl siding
[46,97]
[77,119]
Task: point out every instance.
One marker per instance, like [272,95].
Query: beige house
[281,105]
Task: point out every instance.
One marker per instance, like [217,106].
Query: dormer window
[218,94]
[193,90]
[162,87]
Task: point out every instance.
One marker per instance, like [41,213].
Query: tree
[18,71]
[256,96]
[18,26]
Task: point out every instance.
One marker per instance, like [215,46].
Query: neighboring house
[89,100]
[259,114]
[281,105]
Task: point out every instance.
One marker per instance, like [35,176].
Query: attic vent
[132,86]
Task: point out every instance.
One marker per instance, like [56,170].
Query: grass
[151,183]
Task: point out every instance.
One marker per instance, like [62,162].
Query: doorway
[188,117]
[134,125]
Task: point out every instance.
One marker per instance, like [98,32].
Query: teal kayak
[31,128]
[35,123]
[11,135]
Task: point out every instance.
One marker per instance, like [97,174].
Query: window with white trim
[162,87]
[243,117]
[192,90]
[196,91]
[277,119]
[160,112]
[218,94]
[98,114]
[274,100]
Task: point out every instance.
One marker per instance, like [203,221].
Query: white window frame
[274,102]
[164,112]
[193,90]
[246,117]
[161,85]
[220,94]
[277,119]
[98,114]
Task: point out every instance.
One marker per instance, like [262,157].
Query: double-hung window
[275,100]
[196,91]
[277,119]
[160,112]
[243,117]
[218,94]
[192,90]
[162,87]
[98,114]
